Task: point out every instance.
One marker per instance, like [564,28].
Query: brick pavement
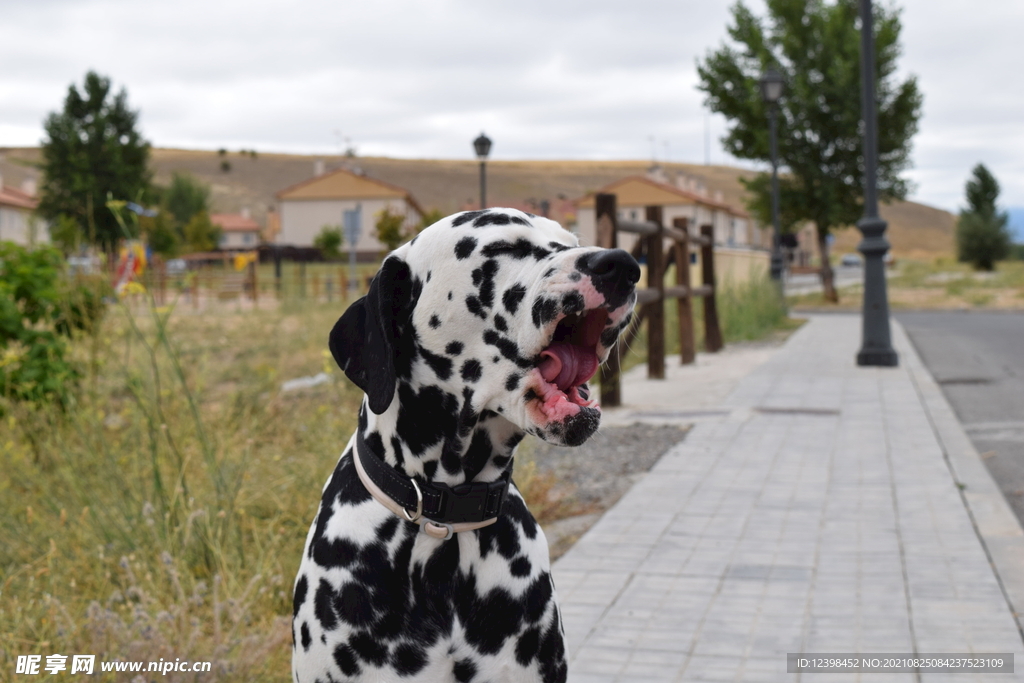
[813,511]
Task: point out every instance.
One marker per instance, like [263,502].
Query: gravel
[595,475]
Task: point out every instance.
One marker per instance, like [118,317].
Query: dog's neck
[473,446]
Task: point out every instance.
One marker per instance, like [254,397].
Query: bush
[201,234]
[38,309]
[389,229]
[329,241]
[982,235]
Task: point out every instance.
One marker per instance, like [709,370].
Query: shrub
[329,241]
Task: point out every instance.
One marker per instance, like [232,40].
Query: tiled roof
[234,222]
[657,193]
[10,196]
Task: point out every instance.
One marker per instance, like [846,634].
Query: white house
[17,222]
[324,200]
[733,227]
[238,230]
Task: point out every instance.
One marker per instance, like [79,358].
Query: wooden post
[656,309]
[684,304]
[277,271]
[607,220]
[316,287]
[254,283]
[329,284]
[712,332]
[342,284]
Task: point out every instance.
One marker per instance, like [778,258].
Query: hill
[915,230]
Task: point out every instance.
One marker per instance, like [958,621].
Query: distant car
[851,260]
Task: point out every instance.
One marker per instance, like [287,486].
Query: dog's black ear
[366,336]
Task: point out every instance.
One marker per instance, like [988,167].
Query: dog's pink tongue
[567,365]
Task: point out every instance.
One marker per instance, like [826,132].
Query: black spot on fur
[345,658]
[474,306]
[544,310]
[434,322]
[471,370]
[386,531]
[538,596]
[301,588]
[520,567]
[464,670]
[465,247]
[334,553]
[512,381]
[490,619]
[353,604]
[430,469]
[575,276]
[500,461]
[583,391]
[549,272]
[307,640]
[513,441]
[512,296]
[552,652]
[425,417]
[529,395]
[429,272]
[500,323]
[323,607]
[572,302]
[520,221]
[454,348]
[480,450]
[466,217]
[449,296]
[608,338]
[408,660]
[527,646]
[369,649]
[491,218]
[558,246]
[508,348]
[441,366]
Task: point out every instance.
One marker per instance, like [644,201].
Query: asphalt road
[978,360]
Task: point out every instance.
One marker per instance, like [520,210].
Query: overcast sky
[545,79]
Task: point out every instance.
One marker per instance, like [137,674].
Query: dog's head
[497,310]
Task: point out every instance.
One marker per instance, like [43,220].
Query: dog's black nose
[613,272]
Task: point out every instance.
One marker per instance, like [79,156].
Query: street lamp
[482,145]
[772,85]
[876,345]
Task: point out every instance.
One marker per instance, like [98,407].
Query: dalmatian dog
[423,562]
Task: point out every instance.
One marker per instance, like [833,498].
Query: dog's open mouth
[570,360]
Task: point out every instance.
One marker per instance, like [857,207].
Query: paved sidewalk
[813,509]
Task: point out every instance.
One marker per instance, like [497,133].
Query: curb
[997,527]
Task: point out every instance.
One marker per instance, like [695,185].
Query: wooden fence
[651,243]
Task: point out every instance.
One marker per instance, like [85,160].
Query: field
[164,513]
[915,230]
[938,284]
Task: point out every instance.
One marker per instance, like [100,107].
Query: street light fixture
[876,345]
[482,146]
[771,86]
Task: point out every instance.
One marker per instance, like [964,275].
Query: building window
[247,238]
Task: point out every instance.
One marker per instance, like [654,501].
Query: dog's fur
[446,346]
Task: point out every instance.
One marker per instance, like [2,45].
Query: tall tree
[186,196]
[92,149]
[982,232]
[816,46]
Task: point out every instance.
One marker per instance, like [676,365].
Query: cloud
[420,78]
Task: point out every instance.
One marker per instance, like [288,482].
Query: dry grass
[938,284]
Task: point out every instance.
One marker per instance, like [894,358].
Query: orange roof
[234,222]
[10,196]
[640,190]
[344,184]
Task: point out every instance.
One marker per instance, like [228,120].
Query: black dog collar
[449,509]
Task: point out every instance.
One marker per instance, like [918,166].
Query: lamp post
[482,145]
[876,345]
[772,85]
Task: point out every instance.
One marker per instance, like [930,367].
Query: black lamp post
[772,85]
[482,145]
[876,346]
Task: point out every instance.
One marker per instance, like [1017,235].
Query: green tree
[982,233]
[329,241]
[201,234]
[816,46]
[160,233]
[389,229]
[185,197]
[92,149]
